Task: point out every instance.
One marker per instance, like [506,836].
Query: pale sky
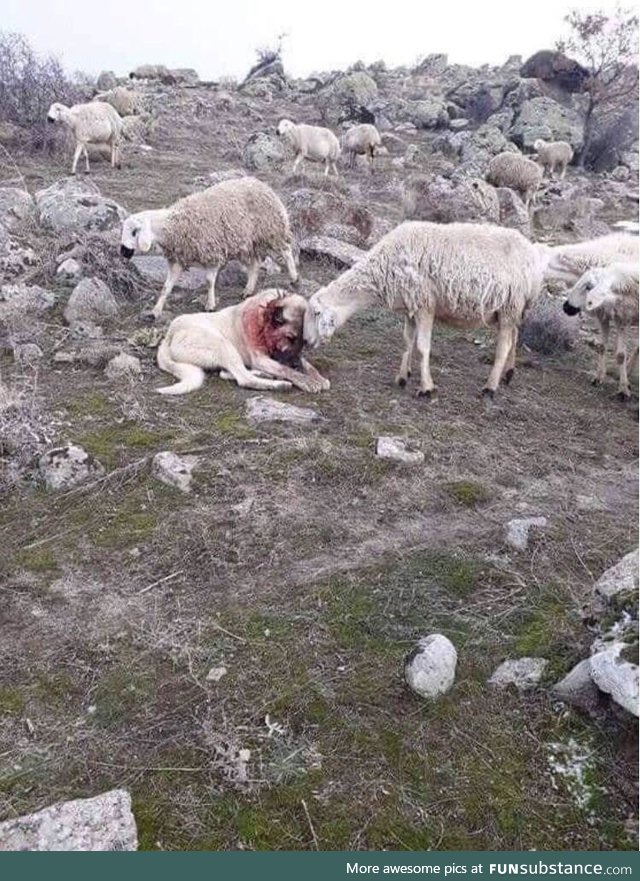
[219,38]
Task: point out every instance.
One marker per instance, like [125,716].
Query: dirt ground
[307,568]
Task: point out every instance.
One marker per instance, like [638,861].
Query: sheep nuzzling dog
[463,274]
[258,343]
[239,219]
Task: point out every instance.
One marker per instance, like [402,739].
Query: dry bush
[24,433]
[546,328]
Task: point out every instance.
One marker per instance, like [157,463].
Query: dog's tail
[191,377]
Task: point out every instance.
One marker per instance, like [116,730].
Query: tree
[607,45]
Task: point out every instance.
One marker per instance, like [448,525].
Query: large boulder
[106,80]
[513,212]
[348,97]
[73,205]
[555,67]
[545,118]
[264,152]
[16,207]
[428,113]
[91,300]
[449,200]
[478,100]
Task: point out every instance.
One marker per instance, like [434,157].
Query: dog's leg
[212,275]
[229,360]
[173,274]
[252,277]
[304,381]
[310,370]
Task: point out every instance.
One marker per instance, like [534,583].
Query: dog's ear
[274,314]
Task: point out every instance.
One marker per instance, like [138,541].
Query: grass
[468,493]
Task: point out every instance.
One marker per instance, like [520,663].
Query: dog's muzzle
[569,309]
[126,252]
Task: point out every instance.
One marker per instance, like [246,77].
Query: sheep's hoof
[623,397]
[508,376]
[149,316]
[488,394]
[427,395]
[401,381]
[596,381]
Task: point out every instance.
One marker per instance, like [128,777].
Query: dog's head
[283,331]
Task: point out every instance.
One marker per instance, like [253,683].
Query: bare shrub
[24,433]
[546,328]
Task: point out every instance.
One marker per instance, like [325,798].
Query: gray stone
[517,531]
[545,118]
[69,268]
[523,673]
[619,579]
[617,677]
[24,298]
[513,212]
[124,366]
[90,300]
[398,449]
[340,253]
[16,207]
[15,258]
[578,689]
[102,823]
[430,669]
[174,470]
[428,113]
[27,354]
[74,205]
[86,330]
[263,409]
[447,200]
[264,152]
[106,80]
[68,466]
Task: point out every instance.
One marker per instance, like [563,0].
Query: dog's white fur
[209,341]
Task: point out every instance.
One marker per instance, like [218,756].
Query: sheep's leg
[76,156]
[296,163]
[326,167]
[511,360]
[503,350]
[621,357]
[290,263]
[424,327]
[601,349]
[173,274]
[86,159]
[212,275]
[409,334]
[252,277]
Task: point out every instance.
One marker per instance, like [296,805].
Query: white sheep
[459,273]
[566,263]
[610,295]
[239,219]
[516,172]
[361,140]
[94,123]
[311,142]
[553,154]
[125,101]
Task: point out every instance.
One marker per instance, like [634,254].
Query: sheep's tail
[191,376]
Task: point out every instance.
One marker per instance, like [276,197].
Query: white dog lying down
[249,342]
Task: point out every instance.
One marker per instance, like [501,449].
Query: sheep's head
[54,114]
[137,234]
[285,126]
[580,292]
[539,144]
[320,321]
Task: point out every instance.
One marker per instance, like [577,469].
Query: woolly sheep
[361,140]
[311,142]
[568,262]
[610,295]
[149,72]
[552,154]
[237,219]
[459,273]
[516,172]
[125,101]
[94,123]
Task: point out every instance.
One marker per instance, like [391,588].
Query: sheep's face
[284,127]
[136,235]
[577,296]
[54,113]
[320,322]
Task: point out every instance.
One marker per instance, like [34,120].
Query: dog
[258,343]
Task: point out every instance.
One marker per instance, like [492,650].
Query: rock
[448,200]
[185,76]
[430,669]
[262,409]
[18,298]
[348,96]
[67,466]
[16,207]
[174,470]
[215,674]
[134,129]
[86,330]
[98,352]
[568,210]
[478,100]
[619,580]
[398,449]
[15,258]
[102,823]
[27,354]
[73,205]
[458,124]
[428,113]
[512,211]
[106,80]
[524,673]
[69,268]
[517,531]
[433,65]
[153,268]
[340,253]
[578,688]
[124,366]
[264,152]
[616,676]
[545,118]
[555,67]
[91,300]
[621,173]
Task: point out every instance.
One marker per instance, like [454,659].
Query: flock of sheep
[464,274]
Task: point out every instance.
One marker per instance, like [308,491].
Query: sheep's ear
[145,237]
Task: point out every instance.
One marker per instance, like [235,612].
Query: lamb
[311,142]
[361,140]
[463,274]
[239,219]
[125,101]
[516,172]
[610,294]
[552,154]
[566,263]
[94,123]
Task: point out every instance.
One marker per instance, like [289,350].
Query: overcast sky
[219,38]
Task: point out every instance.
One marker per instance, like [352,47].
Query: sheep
[566,263]
[610,294]
[516,172]
[241,218]
[94,123]
[149,72]
[463,274]
[125,101]
[361,140]
[552,154]
[311,142]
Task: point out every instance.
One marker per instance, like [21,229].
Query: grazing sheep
[311,142]
[462,274]
[149,72]
[552,154]
[94,123]
[516,172]
[568,262]
[239,219]
[361,140]
[610,295]
[125,101]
